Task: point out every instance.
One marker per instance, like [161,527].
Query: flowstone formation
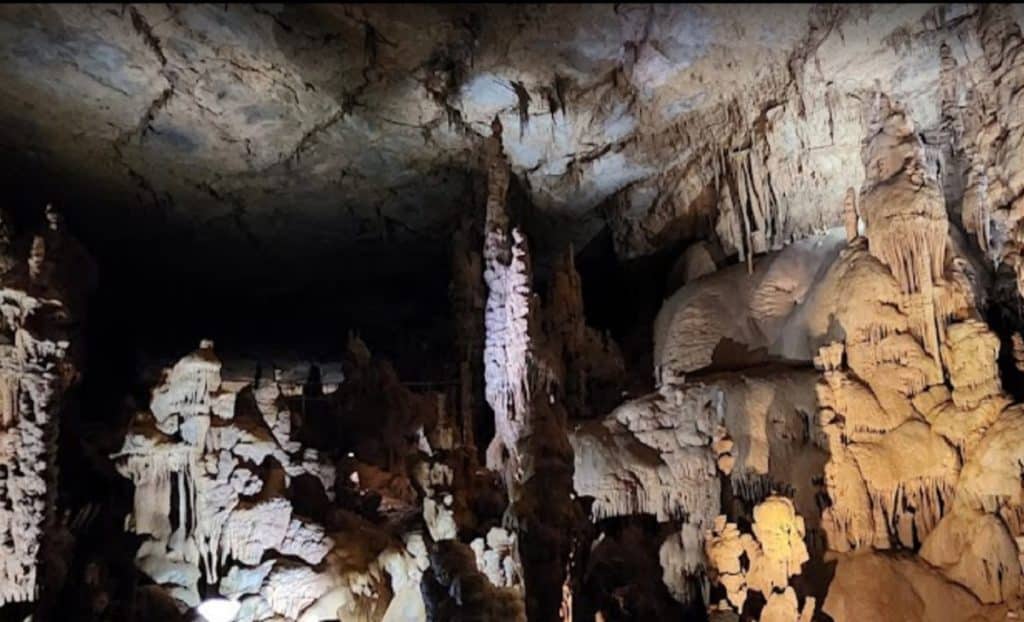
[898,439]
[44,278]
[992,132]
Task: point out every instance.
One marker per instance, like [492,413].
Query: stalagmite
[527,358]
[495,557]
[764,561]
[507,344]
[590,363]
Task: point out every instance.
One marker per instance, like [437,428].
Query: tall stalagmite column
[530,448]
[42,291]
[507,345]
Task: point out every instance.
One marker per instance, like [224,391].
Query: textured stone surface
[295,132]
[41,296]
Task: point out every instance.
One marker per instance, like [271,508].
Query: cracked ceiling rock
[640,116]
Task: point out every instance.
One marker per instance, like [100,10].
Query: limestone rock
[652,456]
[763,561]
[731,315]
[194,456]
[875,586]
[41,304]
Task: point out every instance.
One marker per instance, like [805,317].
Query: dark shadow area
[144,312]
[146,303]
[622,578]
[623,298]
[1005,316]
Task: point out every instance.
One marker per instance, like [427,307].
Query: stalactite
[927,497]
[677,423]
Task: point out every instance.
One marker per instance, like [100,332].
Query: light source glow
[219,610]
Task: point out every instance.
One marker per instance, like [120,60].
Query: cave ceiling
[245,143]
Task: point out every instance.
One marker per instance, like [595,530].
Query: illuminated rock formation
[210,475]
[543,364]
[763,561]
[992,138]
[873,586]
[653,456]
[892,322]
[905,214]
[215,472]
[732,319]
[41,303]
[507,345]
